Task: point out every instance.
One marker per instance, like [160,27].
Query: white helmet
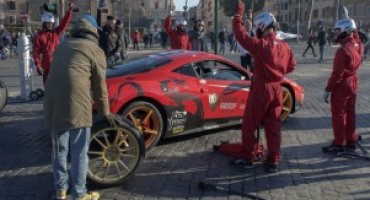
[345,25]
[181,21]
[264,20]
[47,17]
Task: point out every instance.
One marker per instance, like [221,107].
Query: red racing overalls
[273,59]
[45,44]
[179,40]
[343,85]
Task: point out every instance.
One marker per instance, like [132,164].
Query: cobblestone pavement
[173,169]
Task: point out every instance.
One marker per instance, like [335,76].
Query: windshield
[138,64]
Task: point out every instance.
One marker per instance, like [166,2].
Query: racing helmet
[265,20]
[182,22]
[345,25]
[47,17]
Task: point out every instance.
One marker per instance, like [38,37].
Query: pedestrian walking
[367,45]
[164,38]
[124,38]
[273,59]
[342,86]
[47,41]
[310,41]
[222,40]
[198,37]
[5,42]
[245,56]
[179,37]
[136,37]
[321,39]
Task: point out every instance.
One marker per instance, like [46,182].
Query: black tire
[40,92]
[34,96]
[132,152]
[138,110]
[288,104]
[3,96]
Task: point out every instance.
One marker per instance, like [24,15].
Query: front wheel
[114,153]
[147,119]
[288,103]
[3,95]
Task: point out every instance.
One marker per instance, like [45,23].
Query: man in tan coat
[76,79]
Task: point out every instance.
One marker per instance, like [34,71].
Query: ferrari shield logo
[213,100]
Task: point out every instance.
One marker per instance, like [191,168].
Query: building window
[368,10]
[11,5]
[350,10]
[156,5]
[315,13]
[142,4]
[361,8]
[12,20]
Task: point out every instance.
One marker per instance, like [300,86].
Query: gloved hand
[101,4]
[72,5]
[240,8]
[113,120]
[40,71]
[326,96]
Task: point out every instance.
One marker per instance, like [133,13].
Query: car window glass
[138,65]
[187,70]
[216,70]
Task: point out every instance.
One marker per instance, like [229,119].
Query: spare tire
[3,95]
[114,153]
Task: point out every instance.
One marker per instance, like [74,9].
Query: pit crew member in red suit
[273,59]
[47,40]
[179,37]
[342,87]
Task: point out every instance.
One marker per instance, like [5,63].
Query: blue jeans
[78,140]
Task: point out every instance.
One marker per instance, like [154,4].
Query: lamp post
[217,7]
[185,13]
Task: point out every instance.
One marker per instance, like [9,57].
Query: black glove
[113,120]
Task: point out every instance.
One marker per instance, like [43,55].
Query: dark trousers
[136,45]
[246,61]
[309,46]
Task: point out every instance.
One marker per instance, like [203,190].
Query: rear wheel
[114,153]
[288,103]
[147,119]
[3,95]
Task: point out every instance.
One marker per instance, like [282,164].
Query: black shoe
[303,56]
[333,149]
[271,167]
[242,163]
[350,147]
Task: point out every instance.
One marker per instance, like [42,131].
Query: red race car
[179,92]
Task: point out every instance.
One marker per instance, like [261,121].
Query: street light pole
[217,5]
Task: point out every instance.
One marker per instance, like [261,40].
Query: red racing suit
[179,40]
[45,44]
[343,85]
[273,59]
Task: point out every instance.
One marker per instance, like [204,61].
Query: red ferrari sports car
[179,92]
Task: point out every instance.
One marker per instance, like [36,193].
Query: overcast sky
[180,3]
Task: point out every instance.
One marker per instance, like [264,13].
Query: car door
[185,91]
[225,90]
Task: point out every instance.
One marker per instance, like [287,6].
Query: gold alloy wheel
[114,154]
[148,122]
[287,104]
[3,95]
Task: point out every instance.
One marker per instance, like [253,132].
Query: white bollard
[25,71]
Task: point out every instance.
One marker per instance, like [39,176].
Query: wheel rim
[287,105]
[3,96]
[147,122]
[113,155]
